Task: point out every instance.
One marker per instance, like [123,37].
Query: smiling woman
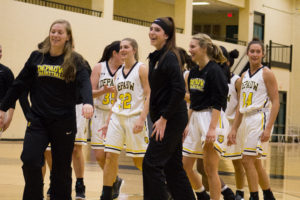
[54,76]
[126,122]
[162,165]
[259,105]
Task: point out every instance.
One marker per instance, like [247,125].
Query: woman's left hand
[211,135]
[87,111]
[265,135]
[159,129]
[138,126]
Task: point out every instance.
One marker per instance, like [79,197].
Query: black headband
[164,26]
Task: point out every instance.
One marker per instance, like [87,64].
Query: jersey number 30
[247,101]
[125,101]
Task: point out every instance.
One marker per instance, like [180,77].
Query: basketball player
[208,125]
[234,152]
[80,141]
[103,93]
[258,89]
[127,124]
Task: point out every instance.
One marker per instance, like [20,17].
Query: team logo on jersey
[125,85]
[107,82]
[55,71]
[146,140]
[197,84]
[221,138]
[228,98]
[250,84]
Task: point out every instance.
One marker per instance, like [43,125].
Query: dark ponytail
[109,49]
[185,59]
[224,65]
[232,55]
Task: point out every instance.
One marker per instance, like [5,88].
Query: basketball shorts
[99,118]
[82,125]
[120,133]
[234,152]
[253,125]
[199,123]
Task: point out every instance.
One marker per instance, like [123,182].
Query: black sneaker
[80,191]
[269,198]
[169,196]
[239,195]
[48,193]
[202,195]
[228,194]
[116,187]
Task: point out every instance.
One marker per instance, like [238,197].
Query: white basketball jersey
[232,99]
[254,93]
[105,101]
[131,98]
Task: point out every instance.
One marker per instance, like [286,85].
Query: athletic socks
[106,193]
[200,189]
[239,194]
[254,196]
[227,193]
[79,181]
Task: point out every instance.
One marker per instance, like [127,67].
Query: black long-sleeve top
[167,85]
[6,80]
[51,96]
[208,87]
[25,105]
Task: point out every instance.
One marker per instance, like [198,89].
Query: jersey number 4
[247,100]
[125,101]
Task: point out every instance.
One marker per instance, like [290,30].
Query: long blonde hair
[213,51]
[69,69]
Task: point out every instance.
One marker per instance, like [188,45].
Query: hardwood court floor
[283,166]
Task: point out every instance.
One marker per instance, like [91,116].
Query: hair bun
[234,54]
[256,39]
[225,52]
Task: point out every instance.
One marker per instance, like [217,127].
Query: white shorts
[253,127]
[82,124]
[120,132]
[234,152]
[99,118]
[198,127]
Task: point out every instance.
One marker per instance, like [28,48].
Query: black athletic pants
[162,165]
[61,135]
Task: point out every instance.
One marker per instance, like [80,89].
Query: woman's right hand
[2,119]
[211,135]
[104,130]
[109,89]
[185,132]
[231,138]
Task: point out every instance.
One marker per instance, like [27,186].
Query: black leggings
[162,165]
[61,135]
